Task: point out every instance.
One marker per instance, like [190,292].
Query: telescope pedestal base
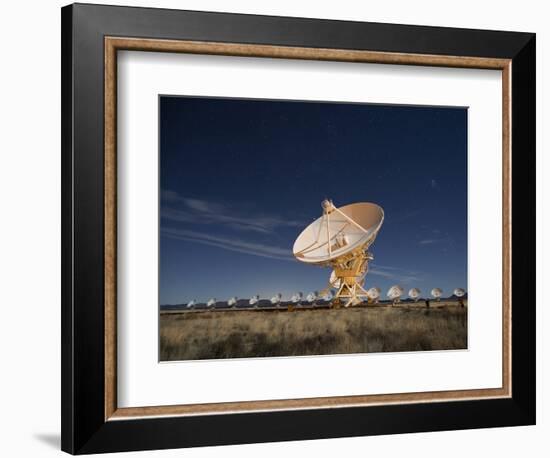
[349,294]
[350,277]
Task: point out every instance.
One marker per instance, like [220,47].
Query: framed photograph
[281,229]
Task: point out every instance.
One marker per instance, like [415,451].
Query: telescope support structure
[349,272]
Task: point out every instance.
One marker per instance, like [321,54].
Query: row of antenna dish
[275,300]
[394,294]
[396,291]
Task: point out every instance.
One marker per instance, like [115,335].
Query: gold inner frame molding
[114,44]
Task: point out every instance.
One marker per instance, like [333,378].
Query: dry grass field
[244,334]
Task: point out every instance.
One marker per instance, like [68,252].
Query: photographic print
[299,228]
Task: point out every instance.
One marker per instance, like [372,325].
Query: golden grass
[245,334]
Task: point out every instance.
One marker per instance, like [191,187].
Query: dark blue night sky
[241,178]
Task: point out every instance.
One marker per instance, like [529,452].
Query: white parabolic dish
[321,243]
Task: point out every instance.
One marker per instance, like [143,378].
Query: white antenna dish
[373,294]
[254,300]
[311,297]
[395,293]
[414,293]
[211,302]
[191,304]
[459,292]
[340,239]
[275,300]
[296,298]
[232,302]
[437,293]
[327,297]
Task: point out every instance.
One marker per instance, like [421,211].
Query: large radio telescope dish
[340,239]
[275,300]
[414,294]
[296,298]
[437,293]
[191,304]
[211,302]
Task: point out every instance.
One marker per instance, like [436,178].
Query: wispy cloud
[435,240]
[386,267]
[428,241]
[382,273]
[198,211]
[395,273]
[230,244]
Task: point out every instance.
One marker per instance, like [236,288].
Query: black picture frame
[84,428]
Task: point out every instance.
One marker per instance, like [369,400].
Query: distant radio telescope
[373,294]
[327,297]
[395,293]
[232,302]
[340,239]
[254,300]
[211,302]
[296,298]
[191,304]
[276,300]
[311,297]
[436,293]
[414,294]
[459,292]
